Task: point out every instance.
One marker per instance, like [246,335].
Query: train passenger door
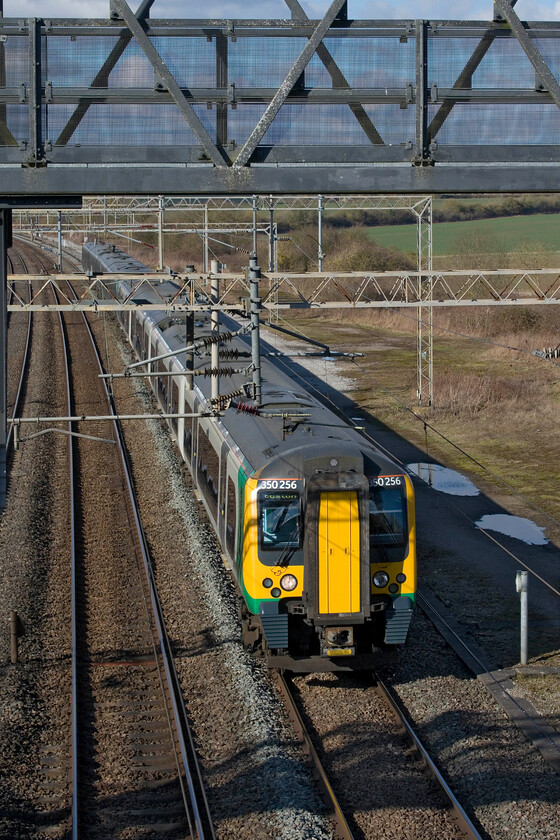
[338,553]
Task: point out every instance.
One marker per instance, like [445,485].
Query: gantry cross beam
[285,291]
[137,105]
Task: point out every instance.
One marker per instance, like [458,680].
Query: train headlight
[380,579]
[401,578]
[288,582]
[267,583]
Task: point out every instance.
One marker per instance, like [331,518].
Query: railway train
[315,523]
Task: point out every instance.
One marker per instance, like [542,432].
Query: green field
[505,234]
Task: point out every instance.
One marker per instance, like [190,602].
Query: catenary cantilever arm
[216,155]
[283,91]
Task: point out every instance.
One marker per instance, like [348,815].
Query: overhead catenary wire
[226,244]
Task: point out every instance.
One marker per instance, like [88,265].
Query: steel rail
[73,575]
[466,827]
[18,396]
[198,815]
[342,828]
[475,661]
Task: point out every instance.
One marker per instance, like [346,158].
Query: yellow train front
[327,562]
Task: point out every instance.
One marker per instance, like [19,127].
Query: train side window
[187,439]
[208,470]
[231,512]
[162,390]
[136,334]
[388,531]
[174,403]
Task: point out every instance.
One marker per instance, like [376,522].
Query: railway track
[134,765]
[355,766]
[19,342]
[442,800]
[112,751]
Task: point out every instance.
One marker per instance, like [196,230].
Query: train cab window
[388,533]
[280,520]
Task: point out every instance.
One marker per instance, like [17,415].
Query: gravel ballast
[259,785]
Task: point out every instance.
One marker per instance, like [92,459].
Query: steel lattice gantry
[220,107]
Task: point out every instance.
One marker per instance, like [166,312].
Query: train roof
[298,418]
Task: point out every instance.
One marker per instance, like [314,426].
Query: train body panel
[315,523]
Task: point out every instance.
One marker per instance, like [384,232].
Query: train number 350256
[278,484]
[386,481]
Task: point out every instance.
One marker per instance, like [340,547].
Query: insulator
[224,400]
[246,408]
[215,338]
[233,354]
[221,371]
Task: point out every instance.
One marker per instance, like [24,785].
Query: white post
[161,205]
[522,586]
[320,253]
[254,277]
[205,241]
[254,226]
[271,236]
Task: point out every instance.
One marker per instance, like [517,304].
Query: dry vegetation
[493,398]
[496,403]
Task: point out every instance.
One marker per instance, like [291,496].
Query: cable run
[479,338]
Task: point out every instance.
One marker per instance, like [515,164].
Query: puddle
[514,526]
[444,479]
